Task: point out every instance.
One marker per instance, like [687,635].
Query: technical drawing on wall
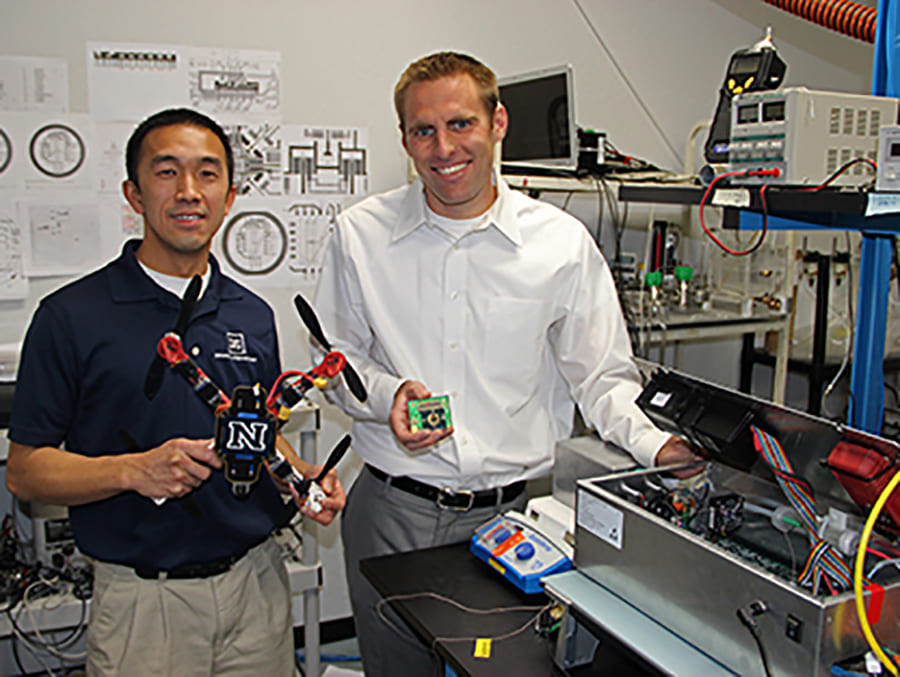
[234,81]
[227,84]
[309,227]
[45,151]
[254,242]
[6,151]
[34,83]
[292,182]
[56,150]
[109,155]
[13,284]
[257,158]
[326,161]
[64,239]
[281,238]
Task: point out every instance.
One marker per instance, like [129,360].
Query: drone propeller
[154,379]
[334,457]
[308,315]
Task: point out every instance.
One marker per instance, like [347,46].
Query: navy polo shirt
[80,381]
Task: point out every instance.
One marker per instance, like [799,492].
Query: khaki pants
[236,623]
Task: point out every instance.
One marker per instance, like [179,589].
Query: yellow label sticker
[482,648]
[499,567]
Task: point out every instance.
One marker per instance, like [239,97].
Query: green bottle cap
[654,279]
[684,273]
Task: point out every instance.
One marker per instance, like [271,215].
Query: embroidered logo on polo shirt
[237,348]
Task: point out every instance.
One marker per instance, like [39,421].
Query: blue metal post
[867,380]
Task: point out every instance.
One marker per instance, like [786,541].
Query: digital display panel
[745,65]
[773,111]
[748,113]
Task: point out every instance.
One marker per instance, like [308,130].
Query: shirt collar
[129,284]
[503,213]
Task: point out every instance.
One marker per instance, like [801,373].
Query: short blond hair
[446,64]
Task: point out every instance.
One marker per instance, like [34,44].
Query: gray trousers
[379,520]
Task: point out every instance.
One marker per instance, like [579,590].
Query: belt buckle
[444,492]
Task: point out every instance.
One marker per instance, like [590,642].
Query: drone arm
[310,494]
[172,351]
[284,395]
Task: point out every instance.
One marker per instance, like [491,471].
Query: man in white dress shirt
[458,285]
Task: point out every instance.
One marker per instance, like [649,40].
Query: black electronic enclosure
[245,437]
[716,421]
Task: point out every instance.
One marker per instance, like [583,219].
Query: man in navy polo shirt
[193,586]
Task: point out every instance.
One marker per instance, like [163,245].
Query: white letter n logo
[247,435]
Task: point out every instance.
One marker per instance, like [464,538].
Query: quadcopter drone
[248,421]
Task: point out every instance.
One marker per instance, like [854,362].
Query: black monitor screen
[539,119]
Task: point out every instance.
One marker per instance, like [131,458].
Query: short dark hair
[167,118]
[447,64]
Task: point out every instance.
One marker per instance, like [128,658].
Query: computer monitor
[542,129]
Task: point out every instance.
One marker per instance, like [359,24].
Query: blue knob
[501,535]
[524,551]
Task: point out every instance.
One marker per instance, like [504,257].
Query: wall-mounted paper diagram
[278,241]
[227,84]
[325,161]
[34,84]
[292,182]
[40,151]
[255,242]
[257,158]
[62,237]
[152,74]
[13,283]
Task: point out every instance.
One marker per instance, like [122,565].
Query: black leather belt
[447,499]
[199,570]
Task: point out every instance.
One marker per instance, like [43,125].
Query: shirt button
[454,295]
[195,351]
[453,345]
[465,441]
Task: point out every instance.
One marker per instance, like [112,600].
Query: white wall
[341,58]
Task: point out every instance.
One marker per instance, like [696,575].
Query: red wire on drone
[273,392]
[332,364]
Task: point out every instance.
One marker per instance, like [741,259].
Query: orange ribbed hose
[843,16]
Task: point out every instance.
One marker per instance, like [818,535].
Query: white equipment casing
[806,134]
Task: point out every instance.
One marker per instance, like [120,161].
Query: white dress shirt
[516,320]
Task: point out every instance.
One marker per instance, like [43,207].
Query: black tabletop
[454,572]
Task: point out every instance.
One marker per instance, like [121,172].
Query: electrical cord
[538,610]
[891,561]
[773,171]
[54,647]
[746,615]
[837,172]
[858,568]
[824,563]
